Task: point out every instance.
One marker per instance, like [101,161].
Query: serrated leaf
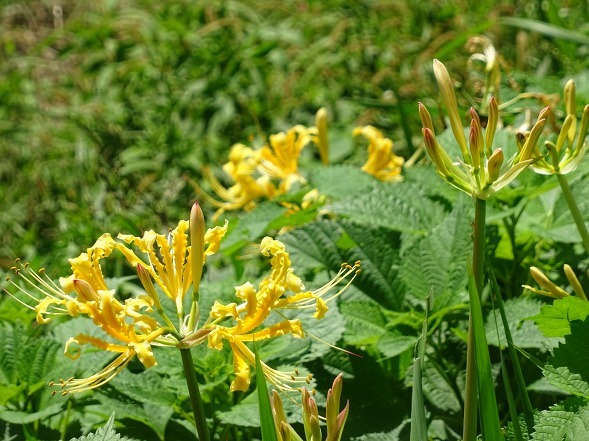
[399,207]
[554,320]
[437,261]
[393,344]
[365,323]
[326,244]
[569,366]
[341,181]
[568,421]
[524,333]
[105,433]
[562,378]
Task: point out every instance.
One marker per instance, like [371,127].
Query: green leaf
[438,260]
[341,181]
[568,420]
[266,419]
[326,244]
[524,333]
[491,427]
[18,417]
[399,207]
[105,433]
[365,323]
[568,368]
[554,320]
[418,421]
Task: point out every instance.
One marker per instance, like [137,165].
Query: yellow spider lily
[282,289]
[382,162]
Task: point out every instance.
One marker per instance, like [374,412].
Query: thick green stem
[471,388]
[577,216]
[197,407]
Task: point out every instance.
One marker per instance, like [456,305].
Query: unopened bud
[544,282]
[322,140]
[574,282]
[431,145]
[85,292]
[494,165]
[449,99]
[197,244]
[569,122]
[491,125]
[426,119]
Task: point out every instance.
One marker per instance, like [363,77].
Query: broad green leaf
[398,207]
[341,181]
[18,417]
[392,344]
[524,333]
[568,368]
[365,323]
[105,433]
[325,245]
[554,320]
[127,407]
[438,388]
[565,380]
[568,421]
[437,261]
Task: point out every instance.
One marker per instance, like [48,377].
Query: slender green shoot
[265,409]
[418,421]
[574,208]
[490,424]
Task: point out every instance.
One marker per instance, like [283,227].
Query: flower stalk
[574,208]
[195,399]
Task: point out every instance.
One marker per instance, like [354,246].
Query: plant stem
[197,407]
[471,389]
[574,208]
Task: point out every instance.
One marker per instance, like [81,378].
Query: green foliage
[105,433]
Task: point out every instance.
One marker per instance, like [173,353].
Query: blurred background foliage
[106,106]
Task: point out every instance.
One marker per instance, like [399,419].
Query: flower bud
[491,125]
[323,142]
[494,165]
[197,244]
[574,281]
[449,99]
[570,102]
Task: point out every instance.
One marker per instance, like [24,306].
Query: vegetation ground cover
[117,116]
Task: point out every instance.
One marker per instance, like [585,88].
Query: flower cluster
[482,171]
[168,267]
[266,172]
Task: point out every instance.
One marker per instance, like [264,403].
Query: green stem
[577,216]
[197,407]
[471,389]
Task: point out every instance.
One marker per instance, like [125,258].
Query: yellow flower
[555,162]
[280,159]
[169,259]
[382,162]
[482,171]
[282,289]
[130,330]
[242,169]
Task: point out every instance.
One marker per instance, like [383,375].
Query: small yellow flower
[482,171]
[280,159]
[382,162]
[282,289]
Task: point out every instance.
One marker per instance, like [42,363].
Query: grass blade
[491,427]
[266,419]
[418,421]
[544,28]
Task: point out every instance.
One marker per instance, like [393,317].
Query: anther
[64,393]
[51,383]
[53,393]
